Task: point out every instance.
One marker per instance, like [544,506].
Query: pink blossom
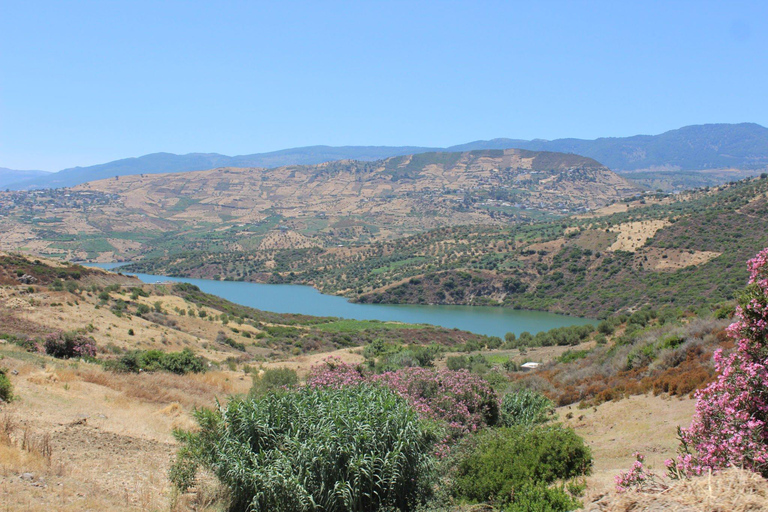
[729,427]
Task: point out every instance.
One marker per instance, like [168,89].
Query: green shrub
[532,497]
[493,342]
[156,360]
[525,407]
[182,362]
[572,355]
[360,448]
[226,340]
[6,388]
[513,466]
[456,363]
[273,379]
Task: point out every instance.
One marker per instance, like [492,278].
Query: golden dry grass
[95,440]
[633,235]
[733,490]
[615,430]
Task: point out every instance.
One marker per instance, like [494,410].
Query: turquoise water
[289,298]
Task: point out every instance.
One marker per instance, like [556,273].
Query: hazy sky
[88,82]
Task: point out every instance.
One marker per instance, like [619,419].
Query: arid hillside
[303,206]
[662,250]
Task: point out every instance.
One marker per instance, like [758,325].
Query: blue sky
[88,82]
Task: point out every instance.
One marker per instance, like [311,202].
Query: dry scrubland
[80,437]
[96,440]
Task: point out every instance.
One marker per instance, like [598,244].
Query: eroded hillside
[303,206]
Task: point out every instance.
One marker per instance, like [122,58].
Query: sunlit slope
[230,209]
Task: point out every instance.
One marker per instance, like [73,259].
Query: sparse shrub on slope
[673,358]
[179,363]
[361,448]
[66,345]
[273,379]
[514,467]
[6,388]
[730,427]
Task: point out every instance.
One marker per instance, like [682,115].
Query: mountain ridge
[694,147]
[10,176]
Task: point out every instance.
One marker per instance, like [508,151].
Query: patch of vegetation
[361,448]
[6,388]
[137,361]
[361,325]
[273,379]
[659,355]
[515,468]
[525,407]
[66,345]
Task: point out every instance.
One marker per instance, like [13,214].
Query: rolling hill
[682,251]
[699,147]
[303,206]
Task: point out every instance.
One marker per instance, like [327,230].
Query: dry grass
[165,388]
[733,490]
[633,235]
[94,440]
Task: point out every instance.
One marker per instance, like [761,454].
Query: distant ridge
[697,147]
[9,176]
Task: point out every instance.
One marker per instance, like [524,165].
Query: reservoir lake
[290,298]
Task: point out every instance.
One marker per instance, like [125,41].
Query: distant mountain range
[697,147]
[9,176]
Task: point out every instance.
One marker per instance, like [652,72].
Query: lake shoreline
[305,299]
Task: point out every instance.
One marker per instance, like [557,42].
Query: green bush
[532,497]
[493,342]
[361,448]
[525,407]
[6,388]
[156,360]
[182,362]
[456,363]
[273,379]
[505,463]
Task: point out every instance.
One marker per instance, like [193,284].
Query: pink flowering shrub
[334,373]
[65,345]
[637,477]
[729,427]
[464,401]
